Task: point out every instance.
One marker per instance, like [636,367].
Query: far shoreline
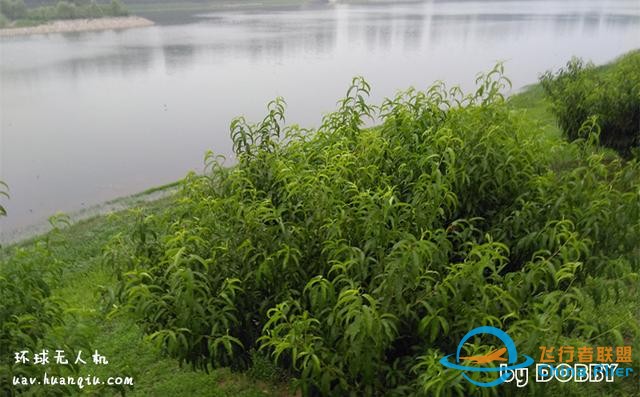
[79,25]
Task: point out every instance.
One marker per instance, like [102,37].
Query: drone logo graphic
[496,355]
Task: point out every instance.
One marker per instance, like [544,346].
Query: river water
[87,117]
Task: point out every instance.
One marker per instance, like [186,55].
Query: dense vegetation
[49,290]
[579,91]
[356,257]
[27,312]
[351,259]
[15,12]
[31,317]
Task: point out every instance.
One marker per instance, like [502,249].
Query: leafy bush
[357,257]
[66,10]
[92,10]
[4,21]
[581,90]
[27,310]
[41,14]
[116,8]
[13,9]
[32,318]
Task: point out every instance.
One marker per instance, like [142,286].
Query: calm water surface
[87,117]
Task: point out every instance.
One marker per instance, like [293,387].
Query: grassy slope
[537,107]
[120,339]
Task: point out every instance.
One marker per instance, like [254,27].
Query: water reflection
[288,34]
[122,60]
[177,56]
[86,117]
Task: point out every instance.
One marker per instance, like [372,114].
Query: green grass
[531,99]
[537,107]
[119,338]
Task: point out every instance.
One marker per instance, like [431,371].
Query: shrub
[612,94]
[357,257]
[4,21]
[66,10]
[93,10]
[28,311]
[13,9]
[116,8]
[32,318]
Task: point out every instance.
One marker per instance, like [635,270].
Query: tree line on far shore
[15,13]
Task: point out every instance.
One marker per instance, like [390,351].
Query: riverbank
[79,25]
[88,281]
[95,211]
[79,246]
[121,338]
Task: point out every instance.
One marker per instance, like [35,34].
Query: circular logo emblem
[509,348]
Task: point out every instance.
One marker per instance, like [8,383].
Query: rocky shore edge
[79,25]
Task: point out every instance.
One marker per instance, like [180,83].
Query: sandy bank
[79,25]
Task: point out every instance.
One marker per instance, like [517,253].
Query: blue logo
[497,355]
